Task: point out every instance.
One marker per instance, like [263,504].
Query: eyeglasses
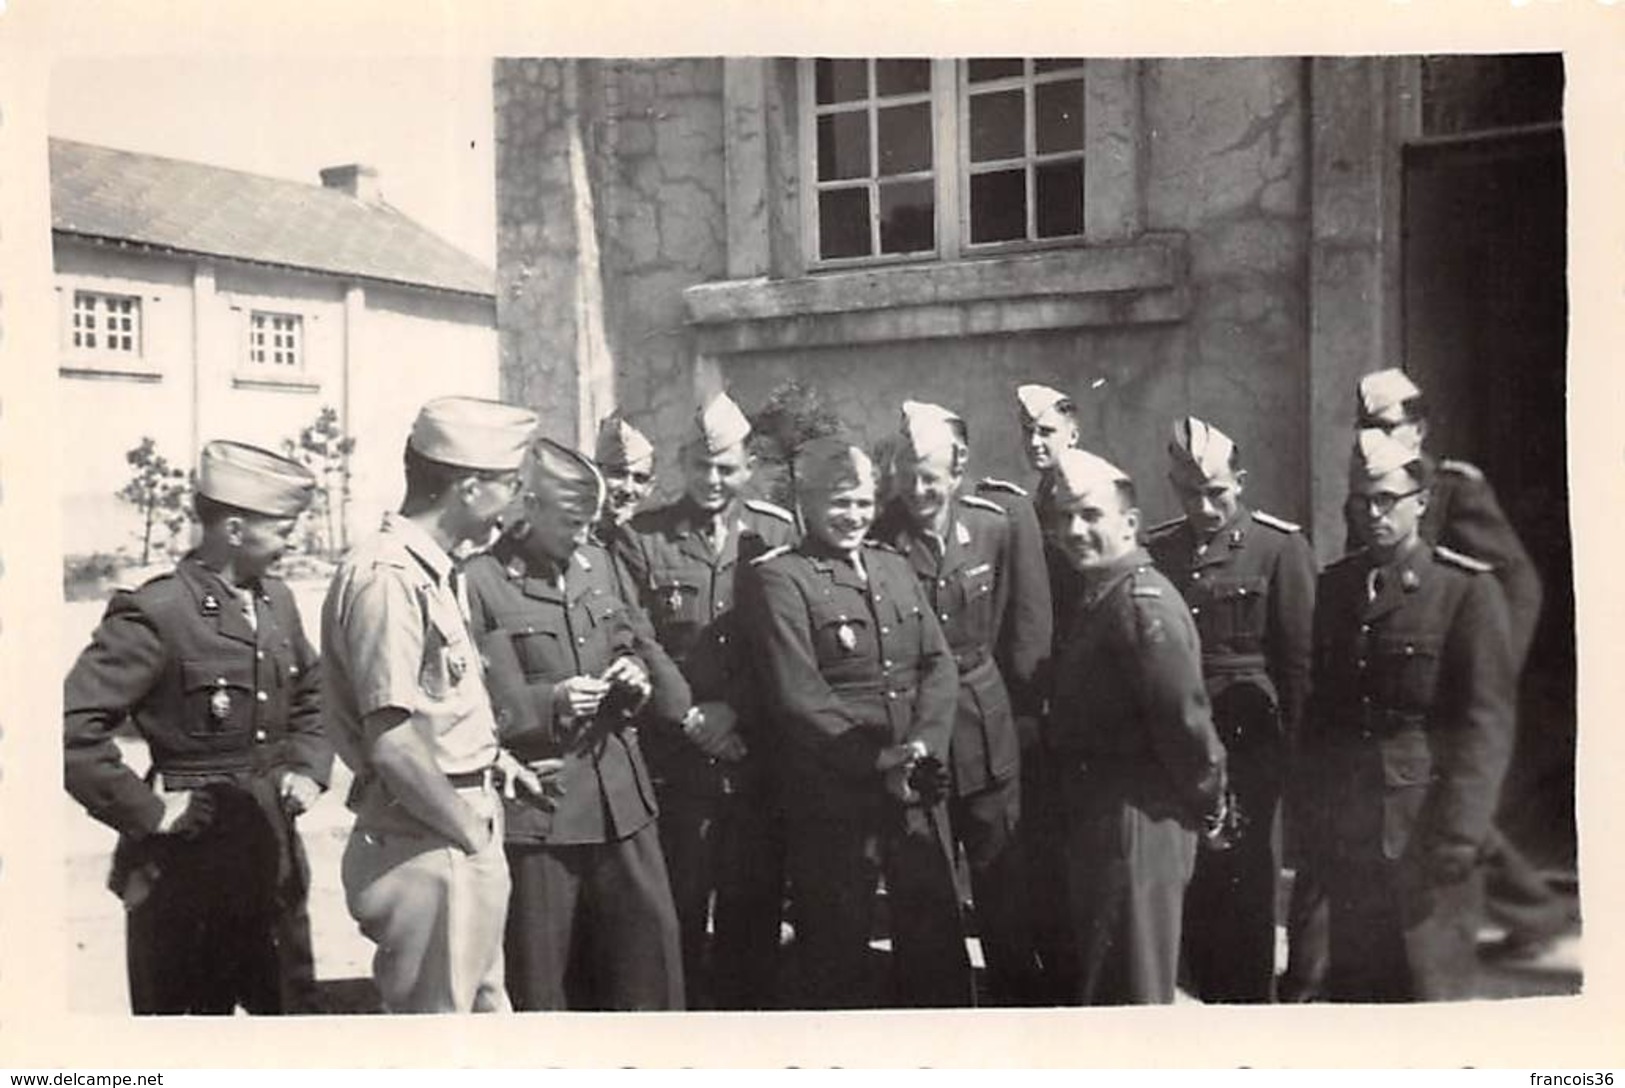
[1382,503]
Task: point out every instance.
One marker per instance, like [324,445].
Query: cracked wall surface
[1226,164]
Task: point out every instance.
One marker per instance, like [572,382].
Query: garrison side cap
[254,479]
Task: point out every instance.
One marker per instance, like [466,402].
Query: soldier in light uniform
[211,664]
[863,688]
[1249,579]
[627,460]
[718,822]
[1049,425]
[1142,770]
[407,709]
[571,664]
[1407,738]
[962,550]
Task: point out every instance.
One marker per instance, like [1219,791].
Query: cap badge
[220,702]
[210,605]
[847,637]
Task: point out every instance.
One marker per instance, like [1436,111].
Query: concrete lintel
[1152,263]
[947,321]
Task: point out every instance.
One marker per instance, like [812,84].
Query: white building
[196,302]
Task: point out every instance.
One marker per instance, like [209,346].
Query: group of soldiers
[615,757]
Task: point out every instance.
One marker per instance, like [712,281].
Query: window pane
[902,76]
[998,126]
[1056,64]
[841,80]
[843,145]
[993,68]
[1059,196]
[905,138]
[843,223]
[998,206]
[1058,116]
[907,217]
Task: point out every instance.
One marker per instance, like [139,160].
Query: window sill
[1135,283]
[276,383]
[102,370]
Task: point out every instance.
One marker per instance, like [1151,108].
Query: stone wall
[1224,164]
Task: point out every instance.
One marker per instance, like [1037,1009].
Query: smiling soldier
[212,665]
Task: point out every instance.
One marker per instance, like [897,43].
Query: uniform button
[1409,649]
[887,663]
[1361,663]
[1196,576]
[891,695]
[722,638]
[260,654]
[945,617]
[942,582]
[1365,628]
[260,696]
[581,641]
[293,670]
[1196,610]
[259,734]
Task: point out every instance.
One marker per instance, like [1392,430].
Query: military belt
[972,659]
[468,780]
[1234,663]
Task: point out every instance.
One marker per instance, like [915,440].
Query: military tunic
[855,662]
[1407,737]
[721,836]
[1131,728]
[593,864]
[1043,823]
[226,706]
[1250,588]
[967,580]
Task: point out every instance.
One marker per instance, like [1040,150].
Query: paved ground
[343,956]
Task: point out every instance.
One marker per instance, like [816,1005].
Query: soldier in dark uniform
[1049,425]
[1406,741]
[211,664]
[961,549]
[627,459]
[721,836]
[863,688]
[1464,515]
[1249,579]
[1142,768]
[571,663]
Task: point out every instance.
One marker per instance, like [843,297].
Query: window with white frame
[907,158]
[276,341]
[106,323]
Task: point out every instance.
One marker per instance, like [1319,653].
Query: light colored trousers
[435,913]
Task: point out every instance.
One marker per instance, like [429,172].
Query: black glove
[929,779]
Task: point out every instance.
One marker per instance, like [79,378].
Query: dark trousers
[834,865]
[987,826]
[1043,841]
[219,921]
[1229,927]
[1394,934]
[1307,940]
[725,854]
[1128,871]
[592,926]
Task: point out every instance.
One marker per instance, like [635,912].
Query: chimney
[354,180]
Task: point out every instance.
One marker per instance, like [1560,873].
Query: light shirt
[394,635]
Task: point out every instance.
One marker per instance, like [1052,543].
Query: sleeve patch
[980,503]
[1276,523]
[772,510]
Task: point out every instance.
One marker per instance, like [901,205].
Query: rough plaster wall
[1226,165]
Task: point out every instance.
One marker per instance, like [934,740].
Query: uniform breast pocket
[1236,610]
[1407,667]
[974,596]
[446,661]
[1407,772]
[543,650]
[219,696]
[841,636]
[675,600]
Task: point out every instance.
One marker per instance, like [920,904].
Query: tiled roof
[104,193]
